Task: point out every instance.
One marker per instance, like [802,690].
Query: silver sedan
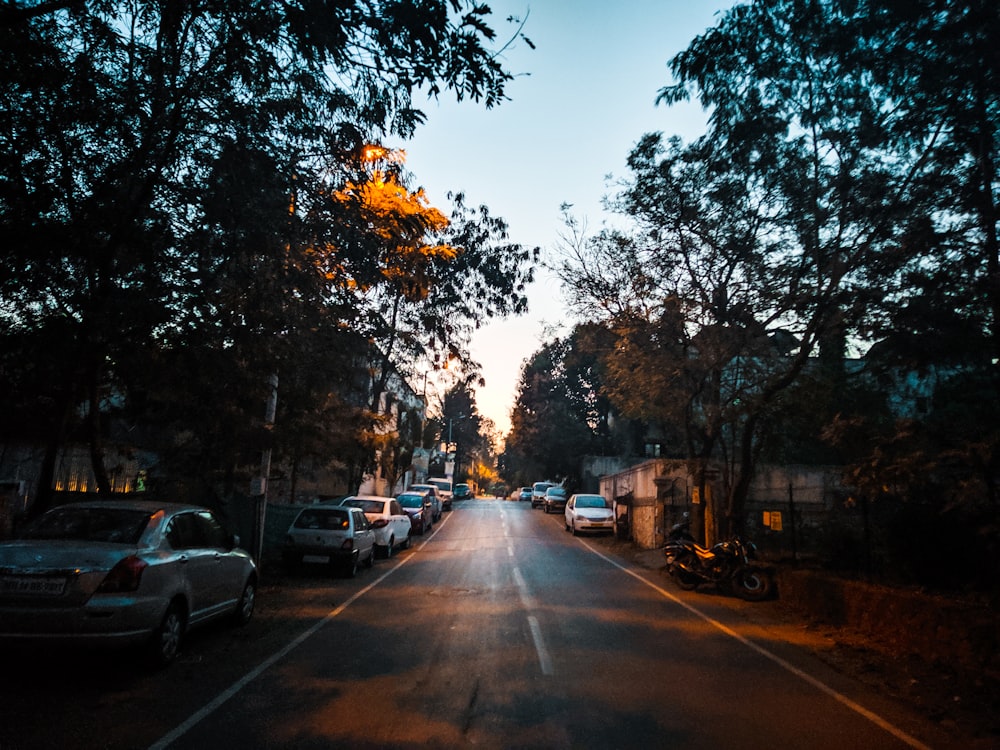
[122,573]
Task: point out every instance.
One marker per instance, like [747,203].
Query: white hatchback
[388,519]
[331,534]
[589,513]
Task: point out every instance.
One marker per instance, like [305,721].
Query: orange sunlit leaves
[402,221]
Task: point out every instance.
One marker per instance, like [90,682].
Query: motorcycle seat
[704,554]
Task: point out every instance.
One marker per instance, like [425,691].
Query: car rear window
[120,525]
[411,501]
[323,518]
[368,506]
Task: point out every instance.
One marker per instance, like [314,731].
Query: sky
[577,105]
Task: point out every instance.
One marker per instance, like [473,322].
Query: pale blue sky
[588,95]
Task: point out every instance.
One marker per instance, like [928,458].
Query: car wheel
[351,566]
[566,524]
[248,599]
[575,532]
[389,547]
[406,543]
[370,560]
[165,643]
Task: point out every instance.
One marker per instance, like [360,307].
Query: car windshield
[368,506]
[591,501]
[411,501]
[323,518]
[555,492]
[82,524]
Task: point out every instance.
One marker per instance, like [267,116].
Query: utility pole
[259,488]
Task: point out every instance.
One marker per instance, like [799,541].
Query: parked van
[443,485]
[538,490]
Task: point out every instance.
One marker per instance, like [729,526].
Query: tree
[159,164]
[559,415]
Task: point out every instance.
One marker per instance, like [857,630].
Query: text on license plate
[35,585]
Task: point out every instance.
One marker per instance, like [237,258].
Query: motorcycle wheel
[685,581]
[753,584]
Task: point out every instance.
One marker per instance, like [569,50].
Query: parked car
[444,490]
[589,513]
[419,508]
[538,493]
[330,534]
[555,499]
[432,492]
[524,494]
[122,573]
[462,492]
[386,516]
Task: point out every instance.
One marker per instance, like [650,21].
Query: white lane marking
[213,705]
[544,660]
[528,602]
[791,668]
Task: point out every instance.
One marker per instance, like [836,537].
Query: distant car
[385,514]
[444,490]
[435,496]
[589,513]
[524,494]
[462,492]
[555,499]
[122,572]
[330,534]
[419,508]
[538,493]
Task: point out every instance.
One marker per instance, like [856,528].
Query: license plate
[316,558]
[32,585]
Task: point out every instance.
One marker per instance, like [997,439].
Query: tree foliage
[844,192]
[560,413]
[183,187]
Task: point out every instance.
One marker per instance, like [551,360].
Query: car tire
[370,560]
[165,643]
[246,604]
[389,547]
[351,566]
[575,532]
[406,543]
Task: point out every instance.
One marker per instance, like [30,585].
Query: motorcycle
[728,564]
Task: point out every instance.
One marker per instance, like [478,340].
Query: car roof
[150,506]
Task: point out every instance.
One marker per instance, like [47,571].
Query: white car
[589,513]
[331,534]
[388,519]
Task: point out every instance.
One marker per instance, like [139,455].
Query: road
[497,630]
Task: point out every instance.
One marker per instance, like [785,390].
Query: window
[195,530]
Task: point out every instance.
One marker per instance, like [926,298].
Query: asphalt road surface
[496,630]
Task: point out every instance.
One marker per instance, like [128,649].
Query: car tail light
[378,523]
[348,544]
[125,576]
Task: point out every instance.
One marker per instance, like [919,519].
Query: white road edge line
[821,686]
[213,705]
